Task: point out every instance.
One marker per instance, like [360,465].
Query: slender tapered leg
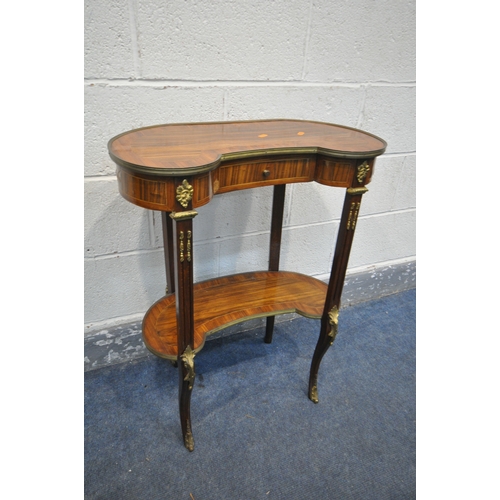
[168,249]
[183,272]
[329,320]
[275,245]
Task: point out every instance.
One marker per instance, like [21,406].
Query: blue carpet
[257,435]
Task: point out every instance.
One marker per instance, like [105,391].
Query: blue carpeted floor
[257,435]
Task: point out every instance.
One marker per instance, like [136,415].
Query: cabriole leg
[326,337]
[329,320]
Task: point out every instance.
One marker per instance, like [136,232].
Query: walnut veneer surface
[171,149]
[230,299]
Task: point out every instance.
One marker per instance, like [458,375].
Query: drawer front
[248,174]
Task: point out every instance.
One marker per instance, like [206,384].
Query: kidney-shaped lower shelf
[223,301]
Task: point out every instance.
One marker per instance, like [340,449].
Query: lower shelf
[224,301]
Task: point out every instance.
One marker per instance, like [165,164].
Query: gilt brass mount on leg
[313,394]
[333,316]
[188,438]
[187,374]
[353,215]
[181,246]
[188,361]
[188,246]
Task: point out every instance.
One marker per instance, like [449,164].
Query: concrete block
[112,224]
[244,254]
[361,41]
[384,185]
[340,105]
[113,109]
[206,260]
[108,40]
[390,113]
[378,281]
[259,40]
[308,249]
[406,193]
[122,285]
[392,188]
[313,203]
[112,345]
[226,217]
[127,285]
[229,214]
[387,237]
[157,233]
[236,213]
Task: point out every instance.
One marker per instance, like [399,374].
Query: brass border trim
[172,172]
[228,122]
[172,357]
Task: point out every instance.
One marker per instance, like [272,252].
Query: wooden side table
[178,168]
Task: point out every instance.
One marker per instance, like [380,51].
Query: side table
[178,168]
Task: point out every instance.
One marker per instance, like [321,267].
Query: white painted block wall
[156,61]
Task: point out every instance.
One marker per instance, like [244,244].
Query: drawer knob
[266,173]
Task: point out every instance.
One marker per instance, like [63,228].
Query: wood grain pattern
[229,156]
[202,189]
[232,299]
[335,172]
[244,174]
[175,149]
[155,194]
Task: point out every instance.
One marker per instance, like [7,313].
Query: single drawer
[245,174]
